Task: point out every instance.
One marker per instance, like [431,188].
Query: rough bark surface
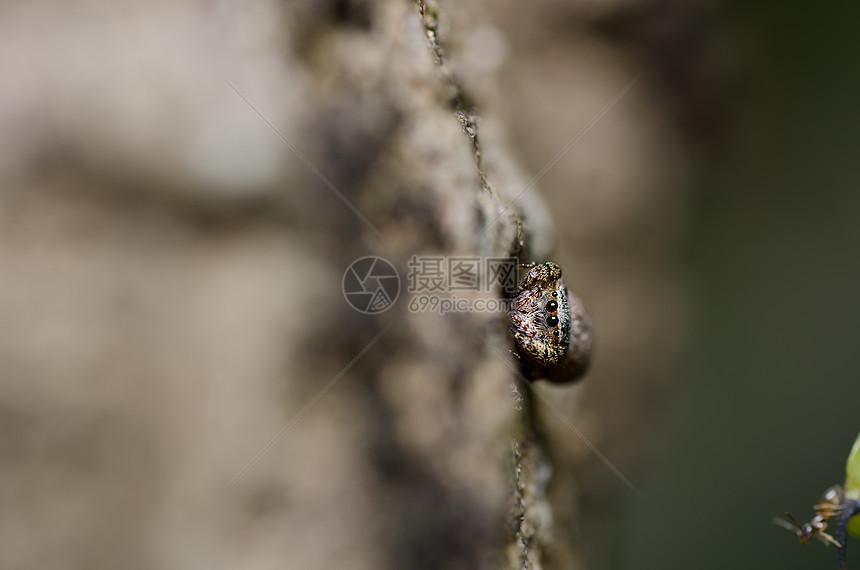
[183,384]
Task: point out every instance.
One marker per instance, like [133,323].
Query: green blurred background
[764,404]
[721,267]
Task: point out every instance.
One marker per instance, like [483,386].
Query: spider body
[551,329]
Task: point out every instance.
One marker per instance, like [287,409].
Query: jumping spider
[552,331]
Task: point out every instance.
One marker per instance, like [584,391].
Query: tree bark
[184,383]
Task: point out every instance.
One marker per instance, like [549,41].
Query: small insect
[839,503]
[552,331]
[831,504]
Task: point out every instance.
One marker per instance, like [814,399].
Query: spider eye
[552,306]
[552,320]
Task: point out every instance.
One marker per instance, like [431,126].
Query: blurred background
[170,279]
[727,384]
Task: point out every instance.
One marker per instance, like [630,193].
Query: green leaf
[852,485]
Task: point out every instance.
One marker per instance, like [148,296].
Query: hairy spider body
[552,331]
